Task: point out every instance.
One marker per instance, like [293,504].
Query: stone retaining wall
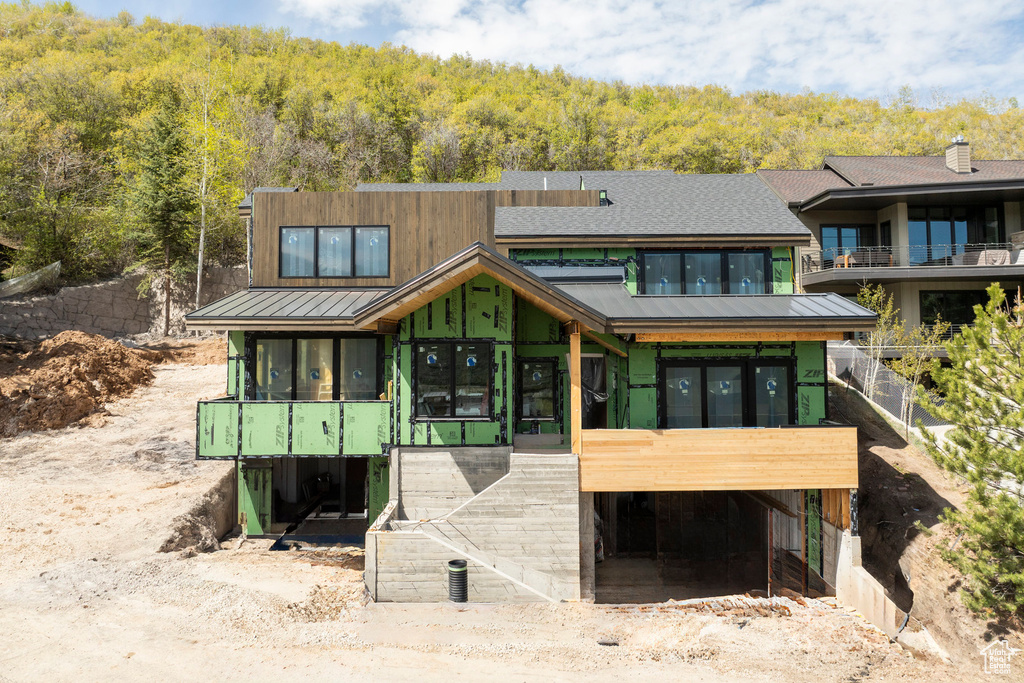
[113,308]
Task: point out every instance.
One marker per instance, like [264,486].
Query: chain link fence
[881,385]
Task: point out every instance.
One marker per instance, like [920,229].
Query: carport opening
[680,545]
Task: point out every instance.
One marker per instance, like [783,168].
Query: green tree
[984,392]
[163,200]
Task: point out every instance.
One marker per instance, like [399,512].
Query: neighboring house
[487,371]
[934,231]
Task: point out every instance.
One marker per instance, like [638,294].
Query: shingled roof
[797,186]
[653,204]
[641,204]
[918,170]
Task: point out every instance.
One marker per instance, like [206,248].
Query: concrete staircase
[520,537]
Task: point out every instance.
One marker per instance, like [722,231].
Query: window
[340,251]
[740,393]
[706,272]
[842,240]
[955,307]
[939,232]
[539,389]
[315,369]
[453,380]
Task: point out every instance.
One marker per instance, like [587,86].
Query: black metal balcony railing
[991,254]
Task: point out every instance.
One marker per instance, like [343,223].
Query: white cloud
[868,48]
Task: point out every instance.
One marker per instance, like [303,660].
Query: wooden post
[575,389]
[771,551]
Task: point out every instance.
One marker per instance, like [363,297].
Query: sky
[943,49]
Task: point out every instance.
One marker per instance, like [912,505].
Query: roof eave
[873,191]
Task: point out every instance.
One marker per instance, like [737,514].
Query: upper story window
[706,272]
[335,251]
[937,232]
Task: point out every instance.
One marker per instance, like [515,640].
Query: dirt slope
[900,486]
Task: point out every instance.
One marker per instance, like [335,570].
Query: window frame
[723,256]
[555,388]
[250,342]
[747,366]
[316,253]
[452,389]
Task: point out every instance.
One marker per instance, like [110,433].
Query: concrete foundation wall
[113,308]
[520,537]
[856,588]
[432,482]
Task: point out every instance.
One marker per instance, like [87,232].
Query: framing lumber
[611,347]
[575,390]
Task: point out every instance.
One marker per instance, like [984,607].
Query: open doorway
[320,497]
[680,545]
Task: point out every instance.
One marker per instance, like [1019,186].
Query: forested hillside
[83,100]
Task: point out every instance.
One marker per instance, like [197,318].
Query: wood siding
[718,459]
[425,227]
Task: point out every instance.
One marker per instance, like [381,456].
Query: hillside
[256,106]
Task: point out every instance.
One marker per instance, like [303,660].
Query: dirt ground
[85,594]
[901,486]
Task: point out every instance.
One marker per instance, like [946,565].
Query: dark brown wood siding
[426,227]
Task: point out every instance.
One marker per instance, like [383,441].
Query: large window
[453,380]
[314,369]
[335,251]
[939,232]
[954,307]
[706,272]
[538,389]
[695,394]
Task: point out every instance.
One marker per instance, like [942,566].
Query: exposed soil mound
[67,378]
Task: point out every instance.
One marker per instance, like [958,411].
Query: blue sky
[941,48]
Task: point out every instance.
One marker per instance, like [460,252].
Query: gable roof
[474,260]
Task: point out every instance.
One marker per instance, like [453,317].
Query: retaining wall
[113,308]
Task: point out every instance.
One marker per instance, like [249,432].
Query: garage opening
[657,546]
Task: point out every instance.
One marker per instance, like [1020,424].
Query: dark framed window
[452,380]
[937,232]
[286,367]
[335,251]
[726,393]
[709,272]
[954,307]
[538,382]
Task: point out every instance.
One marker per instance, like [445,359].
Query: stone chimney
[958,156]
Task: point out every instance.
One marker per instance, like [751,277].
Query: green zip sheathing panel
[264,428]
[236,351]
[782,270]
[254,497]
[315,428]
[217,429]
[366,427]
[481,309]
[811,388]
[379,488]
